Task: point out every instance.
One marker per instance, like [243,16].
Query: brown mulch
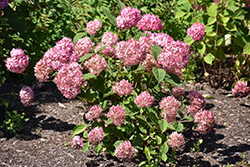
[52,118]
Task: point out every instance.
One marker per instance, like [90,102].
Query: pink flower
[3,4]
[193,109]
[93,26]
[144,99]
[26,94]
[69,80]
[129,18]
[197,101]
[240,89]
[42,71]
[117,115]
[109,38]
[162,39]
[96,136]
[18,61]
[130,52]
[146,43]
[95,64]
[177,141]
[178,93]
[83,46]
[123,88]
[196,31]
[77,142]
[108,51]
[149,63]
[170,106]
[94,112]
[205,121]
[125,151]
[150,22]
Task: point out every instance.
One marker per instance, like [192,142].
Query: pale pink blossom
[150,22]
[117,115]
[205,121]
[3,4]
[125,151]
[161,39]
[77,142]
[240,89]
[178,93]
[170,106]
[123,88]
[83,46]
[144,99]
[96,136]
[69,80]
[42,71]
[149,63]
[146,43]
[177,141]
[93,112]
[95,64]
[128,18]
[109,38]
[196,31]
[26,94]
[93,26]
[108,51]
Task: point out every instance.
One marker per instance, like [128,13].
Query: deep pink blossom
[93,112]
[128,18]
[150,22]
[117,115]
[3,4]
[123,88]
[109,38]
[196,31]
[108,51]
[144,99]
[96,136]
[197,101]
[177,141]
[42,71]
[162,39]
[77,142]
[240,89]
[146,43]
[149,63]
[125,151]
[130,52]
[95,64]
[69,80]
[93,26]
[26,94]
[170,106]
[18,61]
[205,121]
[83,46]
[178,93]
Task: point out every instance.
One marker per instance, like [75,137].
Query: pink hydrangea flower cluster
[83,46]
[94,112]
[77,142]
[161,39]
[170,106]
[177,141]
[108,51]
[18,61]
[146,43]
[178,93]
[150,22]
[93,26]
[175,57]
[26,94]
[196,31]
[42,71]
[96,136]
[117,115]
[205,121]
[95,64]
[61,54]
[144,99]
[128,18]
[149,63]
[123,88]
[125,151]
[240,89]
[4,4]
[197,101]
[69,80]
[130,52]
[109,38]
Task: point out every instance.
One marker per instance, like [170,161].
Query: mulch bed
[52,118]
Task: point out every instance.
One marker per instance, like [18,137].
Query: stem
[150,81]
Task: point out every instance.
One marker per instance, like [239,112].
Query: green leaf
[110,16]
[147,153]
[188,40]
[173,79]
[117,143]
[188,118]
[121,5]
[89,76]
[211,20]
[159,74]
[164,157]
[158,139]
[86,147]
[208,59]
[156,50]
[225,19]
[231,26]
[164,148]
[201,48]
[78,36]
[186,6]
[98,148]
[85,57]
[141,117]
[5,102]
[79,129]
[80,107]
[152,115]
[207,96]
[240,15]
[111,92]
[179,127]
[246,49]
[163,125]
[208,28]
[179,14]
[232,7]
[212,10]
[101,48]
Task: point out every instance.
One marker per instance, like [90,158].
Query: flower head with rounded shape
[240,89]
[150,22]
[77,142]
[170,106]
[117,115]
[26,94]
[93,26]
[123,88]
[177,141]
[144,99]
[196,31]
[125,151]
[96,136]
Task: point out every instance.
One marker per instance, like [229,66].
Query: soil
[52,118]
